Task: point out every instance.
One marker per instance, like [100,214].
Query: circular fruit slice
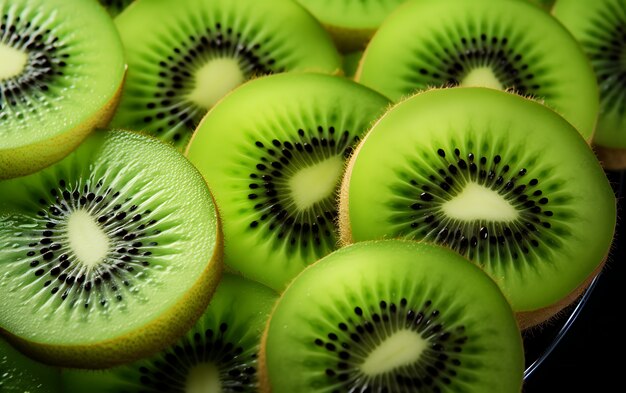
[61,70]
[509,45]
[505,181]
[20,374]
[200,50]
[600,26]
[219,354]
[392,316]
[108,255]
[275,171]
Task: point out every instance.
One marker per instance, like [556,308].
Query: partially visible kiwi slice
[219,354]
[499,178]
[114,7]
[108,255]
[600,27]
[508,45]
[200,50]
[274,151]
[392,316]
[61,70]
[20,374]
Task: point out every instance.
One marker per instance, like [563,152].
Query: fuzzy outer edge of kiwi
[611,158]
[162,332]
[32,158]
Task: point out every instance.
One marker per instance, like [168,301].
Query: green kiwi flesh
[499,178]
[392,316]
[509,45]
[109,254]
[61,70]
[200,50]
[20,374]
[219,354]
[275,171]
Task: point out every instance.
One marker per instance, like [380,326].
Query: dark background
[590,357]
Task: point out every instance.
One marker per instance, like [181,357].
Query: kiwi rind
[20,374]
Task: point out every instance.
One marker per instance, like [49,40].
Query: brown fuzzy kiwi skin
[162,332]
[611,158]
[25,160]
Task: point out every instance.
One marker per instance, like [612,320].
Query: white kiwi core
[477,202]
[481,77]
[87,239]
[214,80]
[12,62]
[203,378]
[402,348]
[314,183]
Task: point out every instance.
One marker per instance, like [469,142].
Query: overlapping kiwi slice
[108,255]
[600,27]
[392,316]
[274,151]
[115,7]
[509,45]
[219,354]
[499,178]
[61,69]
[200,50]
[20,374]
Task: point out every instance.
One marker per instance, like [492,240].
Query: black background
[589,358]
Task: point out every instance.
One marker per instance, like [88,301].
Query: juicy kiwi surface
[392,316]
[509,45]
[274,152]
[200,50]
[108,255]
[219,354]
[61,67]
[600,27]
[499,178]
[20,374]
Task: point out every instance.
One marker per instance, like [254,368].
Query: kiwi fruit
[500,179]
[351,23]
[20,374]
[61,72]
[600,27]
[392,316]
[219,354]
[115,7]
[509,45]
[275,171]
[200,50]
[108,255]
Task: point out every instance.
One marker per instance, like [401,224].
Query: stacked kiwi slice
[19,373]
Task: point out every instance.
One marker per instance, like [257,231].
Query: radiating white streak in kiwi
[13,62]
[203,378]
[214,80]
[481,76]
[315,183]
[477,202]
[401,348]
[89,243]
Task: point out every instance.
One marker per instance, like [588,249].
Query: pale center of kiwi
[482,77]
[87,239]
[402,348]
[203,378]
[13,62]
[314,183]
[477,202]
[214,80]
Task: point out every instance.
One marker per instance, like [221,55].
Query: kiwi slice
[509,45]
[351,23]
[200,50]
[275,172]
[115,7]
[20,374]
[392,316]
[600,27]
[505,182]
[61,69]
[108,255]
[219,354]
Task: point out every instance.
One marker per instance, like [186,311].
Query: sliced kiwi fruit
[200,50]
[600,27]
[509,45]
[392,316]
[20,374]
[61,70]
[219,354]
[115,7]
[500,179]
[351,23]
[108,255]
[275,171]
